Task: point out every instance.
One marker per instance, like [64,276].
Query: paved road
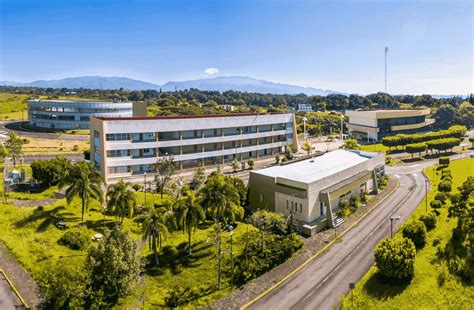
[320,283]
[6,127]
[8,299]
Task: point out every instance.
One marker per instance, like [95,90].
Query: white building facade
[75,114]
[305,108]
[129,147]
[311,189]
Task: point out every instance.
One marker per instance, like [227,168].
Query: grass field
[423,292]
[378,147]
[46,146]
[13,106]
[31,235]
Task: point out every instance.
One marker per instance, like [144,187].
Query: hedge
[405,139]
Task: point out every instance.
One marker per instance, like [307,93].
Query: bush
[436,204]
[444,186]
[354,201]
[277,158]
[436,241]
[383,181]
[416,232]
[442,277]
[395,258]
[251,163]
[429,220]
[137,187]
[181,296]
[363,196]
[441,197]
[284,159]
[444,161]
[76,238]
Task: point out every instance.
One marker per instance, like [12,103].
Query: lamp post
[342,126]
[304,128]
[426,195]
[393,218]
[144,188]
[231,233]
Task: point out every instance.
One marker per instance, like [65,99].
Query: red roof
[179,116]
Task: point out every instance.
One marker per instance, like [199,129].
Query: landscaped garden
[441,275]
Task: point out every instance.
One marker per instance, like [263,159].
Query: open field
[46,146]
[423,291]
[377,147]
[13,106]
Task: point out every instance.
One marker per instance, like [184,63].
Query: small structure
[312,188]
[376,124]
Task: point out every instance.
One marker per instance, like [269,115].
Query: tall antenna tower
[386,52]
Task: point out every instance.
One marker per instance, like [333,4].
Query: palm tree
[154,228]
[121,199]
[190,213]
[84,182]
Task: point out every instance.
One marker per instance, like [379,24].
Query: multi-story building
[129,147]
[376,124]
[305,107]
[75,114]
[311,189]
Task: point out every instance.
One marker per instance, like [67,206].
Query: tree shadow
[391,152]
[438,155]
[48,218]
[412,160]
[381,287]
[101,225]
[175,258]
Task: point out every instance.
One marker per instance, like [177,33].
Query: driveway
[6,127]
[321,282]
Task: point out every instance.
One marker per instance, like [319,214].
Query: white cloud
[211,71]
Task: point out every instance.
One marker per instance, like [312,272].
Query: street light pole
[304,128]
[342,128]
[426,195]
[231,233]
[393,218]
[144,188]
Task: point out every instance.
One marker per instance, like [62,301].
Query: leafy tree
[288,153]
[277,158]
[165,169]
[350,144]
[395,258]
[444,186]
[190,214]
[307,147]
[84,183]
[416,232]
[436,204]
[266,221]
[14,145]
[441,197]
[199,177]
[251,163]
[429,220]
[121,199]
[416,148]
[115,265]
[49,172]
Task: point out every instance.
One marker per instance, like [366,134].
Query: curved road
[320,283]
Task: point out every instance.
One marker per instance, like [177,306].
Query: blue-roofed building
[311,189]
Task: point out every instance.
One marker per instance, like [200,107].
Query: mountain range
[221,83]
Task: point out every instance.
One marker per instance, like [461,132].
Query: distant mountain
[223,83]
[244,84]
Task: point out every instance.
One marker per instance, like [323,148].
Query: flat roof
[184,116]
[313,169]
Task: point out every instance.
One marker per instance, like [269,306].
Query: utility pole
[386,52]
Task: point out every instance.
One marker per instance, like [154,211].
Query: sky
[336,45]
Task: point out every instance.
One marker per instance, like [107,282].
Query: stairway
[336,220]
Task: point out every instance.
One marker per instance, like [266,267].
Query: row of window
[80,110]
[294,206]
[195,134]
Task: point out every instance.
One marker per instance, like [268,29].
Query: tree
[416,232]
[251,163]
[154,228]
[115,265]
[307,147]
[14,146]
[350,144]
[235,165]
[395,258]
[190,214]
[266,221]
[199,177]
[444,186]
[49,172]
[416,148]
[165,169]
[429,220]
[121,199]
[471,139]
[84,183]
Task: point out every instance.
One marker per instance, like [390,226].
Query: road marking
[322,250]
[397,176]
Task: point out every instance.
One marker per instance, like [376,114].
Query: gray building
[312,188]
[75,114]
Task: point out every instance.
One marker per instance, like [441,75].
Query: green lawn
[31,235]
[378,147]
[13,106]
[423,292]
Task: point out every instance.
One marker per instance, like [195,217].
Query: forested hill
[457,110]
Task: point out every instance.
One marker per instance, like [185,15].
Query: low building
[75,114]
[311,189]
[305,108]
[376,124]
[228,107]
[131,146]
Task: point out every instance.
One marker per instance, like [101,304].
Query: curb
[323,249]
[14,289]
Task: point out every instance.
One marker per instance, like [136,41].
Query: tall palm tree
[121,199]
[84,182]
[154,228]
[190,213]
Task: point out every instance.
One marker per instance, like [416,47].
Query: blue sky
[337,45]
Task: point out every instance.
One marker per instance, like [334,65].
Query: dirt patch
[312,245]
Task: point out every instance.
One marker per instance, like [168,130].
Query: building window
[301,208]
[287,204]
[117,136]
[321,209]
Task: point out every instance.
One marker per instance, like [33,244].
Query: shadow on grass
[412,160]
[101,225]
[438,155]
[391,152]
[381,287]
[175,258]
[47,218]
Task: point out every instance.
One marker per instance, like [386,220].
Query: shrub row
[405,139]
